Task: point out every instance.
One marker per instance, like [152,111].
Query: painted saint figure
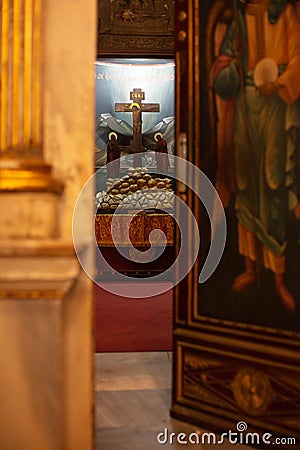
[161,154]
[265,123]
[113,156]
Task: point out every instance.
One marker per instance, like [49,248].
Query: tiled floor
[133,398]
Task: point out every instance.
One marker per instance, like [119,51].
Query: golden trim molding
[32,294]
[27,175]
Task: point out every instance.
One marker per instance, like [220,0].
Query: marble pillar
[46,156]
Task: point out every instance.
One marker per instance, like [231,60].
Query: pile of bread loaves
[137,190]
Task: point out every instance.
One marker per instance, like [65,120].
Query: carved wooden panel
[239,389]
[135,26]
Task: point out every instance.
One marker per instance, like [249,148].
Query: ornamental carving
[228,386]
[252,391]
[134,25]
[115,44]
[136,16]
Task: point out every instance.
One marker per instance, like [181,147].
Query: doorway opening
[134,109]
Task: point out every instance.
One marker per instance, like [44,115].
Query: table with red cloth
[140,226]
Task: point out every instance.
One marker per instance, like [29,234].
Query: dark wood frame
[211,354]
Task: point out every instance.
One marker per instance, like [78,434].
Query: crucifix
[137,107]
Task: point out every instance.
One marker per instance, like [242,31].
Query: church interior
[145,301]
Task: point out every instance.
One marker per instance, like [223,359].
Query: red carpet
[133,325]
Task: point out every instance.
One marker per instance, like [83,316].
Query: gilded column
[21,75]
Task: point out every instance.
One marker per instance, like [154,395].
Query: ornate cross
[137,107]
